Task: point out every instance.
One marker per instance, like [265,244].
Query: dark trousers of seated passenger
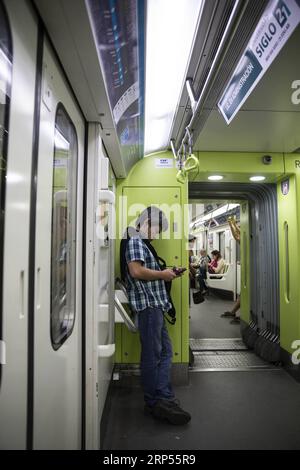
[156,356]
[202,277]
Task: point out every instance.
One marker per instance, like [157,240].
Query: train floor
[237,401]
[206,321]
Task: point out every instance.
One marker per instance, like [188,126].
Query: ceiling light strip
[171,26]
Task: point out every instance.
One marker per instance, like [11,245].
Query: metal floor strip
[217,344]
[229,361]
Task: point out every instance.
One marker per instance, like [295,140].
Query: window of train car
[222,244]
[238,252]
[5,93]
[63,246]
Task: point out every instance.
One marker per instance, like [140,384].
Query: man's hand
[138,271]
[169,275]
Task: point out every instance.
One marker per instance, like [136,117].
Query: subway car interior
[112,107]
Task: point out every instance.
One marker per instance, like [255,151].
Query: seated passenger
[203,265]
[192,267]
[217,265]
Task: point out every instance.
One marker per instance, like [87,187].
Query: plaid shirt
[144,294]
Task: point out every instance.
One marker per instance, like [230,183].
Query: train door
[18,50]
[58,265]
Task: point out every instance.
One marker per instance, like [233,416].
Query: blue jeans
[156,356]
[202,277]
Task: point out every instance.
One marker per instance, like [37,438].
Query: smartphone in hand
[178,270]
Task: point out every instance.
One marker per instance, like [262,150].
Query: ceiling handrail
[237,10]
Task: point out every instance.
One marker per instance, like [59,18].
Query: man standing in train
[148,297]
[236,233]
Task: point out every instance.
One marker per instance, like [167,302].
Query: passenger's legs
[156,356]
[236,306]
[202,284]
[235,309]
[164,388]
[202,277]
[156,360]
[232,313]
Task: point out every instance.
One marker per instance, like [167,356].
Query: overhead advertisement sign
[119,29]
[279,20]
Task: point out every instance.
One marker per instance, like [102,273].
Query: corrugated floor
[228,360]
[217,344]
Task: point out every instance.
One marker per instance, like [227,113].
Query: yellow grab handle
[191,163]
[181,176]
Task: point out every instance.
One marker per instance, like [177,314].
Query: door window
[63,244]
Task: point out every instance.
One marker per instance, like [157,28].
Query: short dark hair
[154,216]
[216,253]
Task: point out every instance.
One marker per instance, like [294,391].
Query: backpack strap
[163,265]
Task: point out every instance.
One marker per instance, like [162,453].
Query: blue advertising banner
[276,25]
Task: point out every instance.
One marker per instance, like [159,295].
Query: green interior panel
[239,167]
[60,174]
[149,184]
[245,262]
[288,226]
[171,251]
